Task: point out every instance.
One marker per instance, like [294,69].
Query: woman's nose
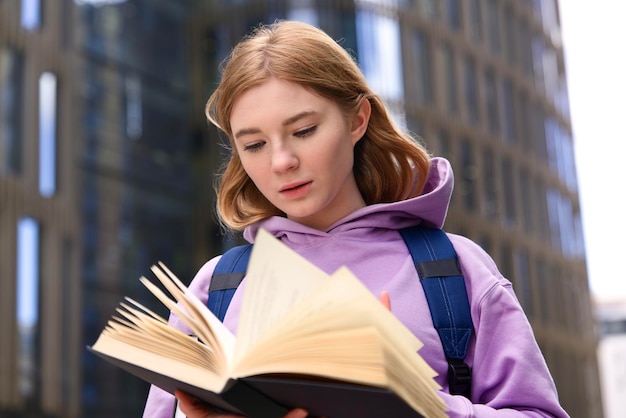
[283,159]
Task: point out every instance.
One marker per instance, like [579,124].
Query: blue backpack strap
[438,268]
[229,272]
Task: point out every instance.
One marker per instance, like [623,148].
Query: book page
[133,357]
[341,331]
[340,305]
[195,314]
[140,341]
[277,279]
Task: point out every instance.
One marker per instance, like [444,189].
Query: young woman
[317,161]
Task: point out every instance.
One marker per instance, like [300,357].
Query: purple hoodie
[510,376]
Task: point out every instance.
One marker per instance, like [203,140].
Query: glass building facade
[135,197]
[106,166]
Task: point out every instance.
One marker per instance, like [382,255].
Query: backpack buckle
[459,377]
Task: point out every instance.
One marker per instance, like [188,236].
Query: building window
[554,208]
[563,224]
[451,86]
[522,285]
[509,111]
[31,14]
[453,9]
[527,202]
[476,20]
[428,9]
[567,227]
[28,306]
[578,232]
[545,12]
[540,200]
[561,97]
[560,151]
[508,186]
[536,5]
[11,92]
[468,175]
[303,11]
[544,291]
[441,147]
[490,195]
[47,134]
[471,91]
[551,76]
[493,26]
[539,147]
[538,50]
[421,79]
[525,125]
[134,106]
[491,94]
[378,40]
[525,48]
[509,35]
[553,145]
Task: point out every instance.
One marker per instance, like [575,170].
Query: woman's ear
[361,120]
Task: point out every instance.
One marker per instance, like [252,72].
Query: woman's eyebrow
[290,120]
[246,131]
[298,116]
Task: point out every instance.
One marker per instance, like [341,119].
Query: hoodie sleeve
[160,404]
[510,376]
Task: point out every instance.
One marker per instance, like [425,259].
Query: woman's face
[297,148]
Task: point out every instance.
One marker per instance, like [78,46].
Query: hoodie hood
[430,208]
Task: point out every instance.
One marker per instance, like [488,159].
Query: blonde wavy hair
[387,160]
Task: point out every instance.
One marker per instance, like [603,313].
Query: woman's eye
[305,132]
[255,146]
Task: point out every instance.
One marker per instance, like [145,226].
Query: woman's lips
[295,190]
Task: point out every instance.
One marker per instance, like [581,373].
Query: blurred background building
[611,318]
[107,163]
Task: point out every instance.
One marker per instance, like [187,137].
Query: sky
[594,34]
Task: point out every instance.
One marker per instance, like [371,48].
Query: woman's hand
[385,300]
[193,408]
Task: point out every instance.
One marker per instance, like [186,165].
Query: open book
[305,339]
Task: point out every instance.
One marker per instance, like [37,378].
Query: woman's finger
[297,413]
[385,299]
